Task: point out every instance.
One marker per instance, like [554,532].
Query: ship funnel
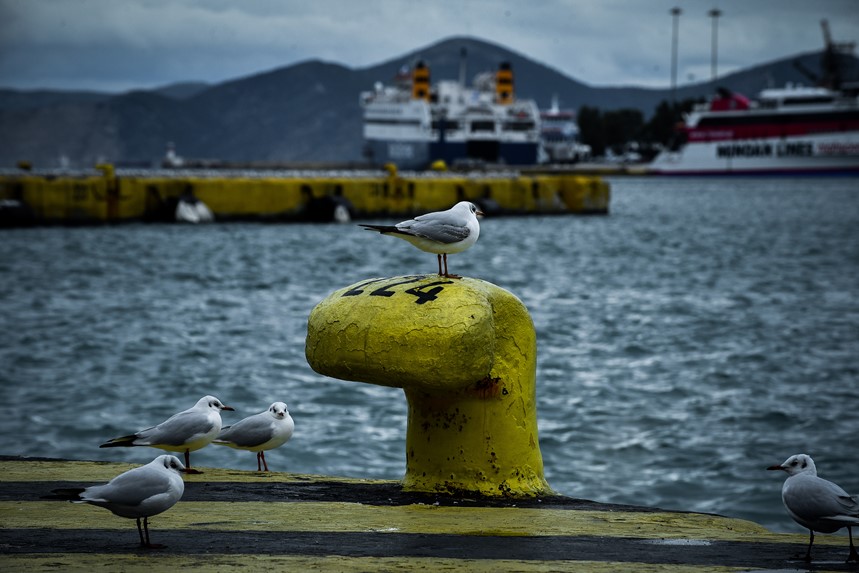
[463,62]
[504,84]
[421,82]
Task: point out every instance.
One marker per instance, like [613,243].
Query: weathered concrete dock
[244,520]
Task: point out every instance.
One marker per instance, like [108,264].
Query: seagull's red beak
[775,468]
[479,213]
[230,408]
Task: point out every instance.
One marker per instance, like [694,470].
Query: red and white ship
[796,130]
[789,131]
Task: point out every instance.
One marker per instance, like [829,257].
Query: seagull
[441,232]
[267,430]
[185,432]
[138,493]
[816,503]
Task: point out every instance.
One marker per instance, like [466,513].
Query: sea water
[704,330]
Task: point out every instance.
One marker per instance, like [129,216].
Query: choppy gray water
[701,332]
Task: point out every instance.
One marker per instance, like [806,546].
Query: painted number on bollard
[422,296]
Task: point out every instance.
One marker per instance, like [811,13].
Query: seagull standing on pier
[816,503]
[185,432]
[264,431]
[138,493]
[442,233]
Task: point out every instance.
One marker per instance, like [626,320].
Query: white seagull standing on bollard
[816,503]
[138,493]
[442,233]
[185,432]
[264,431]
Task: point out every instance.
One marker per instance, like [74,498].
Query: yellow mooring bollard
[464,352]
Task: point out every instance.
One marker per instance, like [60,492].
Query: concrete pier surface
[246,521]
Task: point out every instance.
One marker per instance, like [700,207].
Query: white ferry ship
[413,123]
[797,130]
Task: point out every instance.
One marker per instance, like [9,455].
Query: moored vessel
[413,123]
[796,130]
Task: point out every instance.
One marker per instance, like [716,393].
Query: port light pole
[714,50]
[675,13]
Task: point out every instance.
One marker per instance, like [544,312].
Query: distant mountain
[182,90]
[12,100]
[307,112]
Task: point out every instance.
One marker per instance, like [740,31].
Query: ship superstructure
[413,123]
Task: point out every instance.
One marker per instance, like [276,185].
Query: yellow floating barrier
[110,196]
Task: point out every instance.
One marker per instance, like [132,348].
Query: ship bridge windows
[791,101]
[447,125]
[719,120]
[518,125]
[477,126]
[555,136]
[393,121]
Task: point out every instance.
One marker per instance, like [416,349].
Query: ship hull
[489,151]
[421,154]
[807,154]
[402,153]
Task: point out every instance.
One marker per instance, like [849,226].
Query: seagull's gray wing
[177,430]
[815,498]
[129,489]
[849,507]
[450,229]
[250,432]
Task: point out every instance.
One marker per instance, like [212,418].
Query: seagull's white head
[212,403]
[797,464]
[278,410]
[171,463]
[469,207]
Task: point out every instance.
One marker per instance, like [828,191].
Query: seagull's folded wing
[817,498]
[850,508]
[178,430]
[440,232]
[129,489]
[248,433]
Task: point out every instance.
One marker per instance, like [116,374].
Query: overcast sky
[117,45]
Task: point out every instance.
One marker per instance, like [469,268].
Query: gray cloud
[118,45]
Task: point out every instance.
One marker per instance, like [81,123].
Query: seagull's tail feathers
[381,228]
[122,442]
[65,494]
